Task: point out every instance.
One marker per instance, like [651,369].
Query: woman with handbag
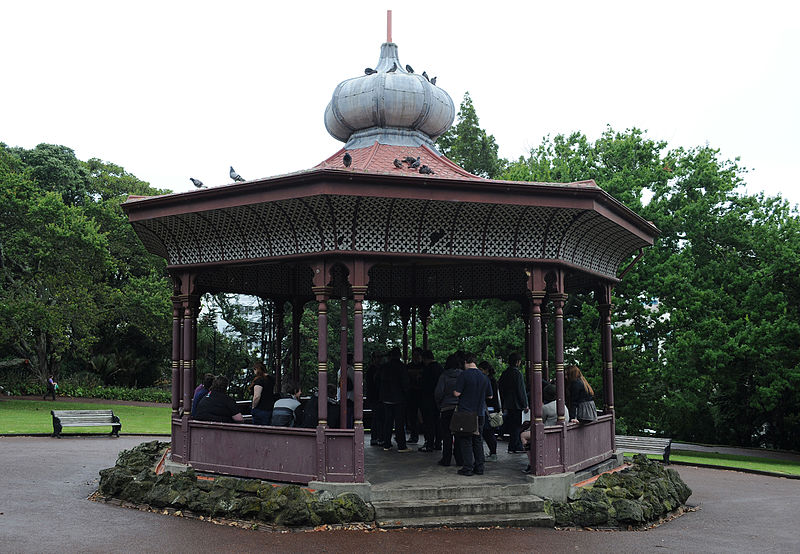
[581,403]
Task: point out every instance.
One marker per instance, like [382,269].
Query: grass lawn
[730,460]
[33,416]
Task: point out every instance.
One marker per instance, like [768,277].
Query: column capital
[359,290]
[322,292]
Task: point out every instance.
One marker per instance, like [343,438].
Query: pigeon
[393,69]
[409,69]
[369,71]
[398,164]
[414,164]
[433,81]
[425,170]
[409,159]
[347,160]
[196,182]
[235,176]
[425,74]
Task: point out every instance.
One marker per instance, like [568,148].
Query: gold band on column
[538,419]
[358,422]
[537,366]
[358,366]
[322,366]
[559,367]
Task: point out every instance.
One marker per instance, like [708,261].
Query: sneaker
[406,449]
[465,472]
[491,458]
[387,448]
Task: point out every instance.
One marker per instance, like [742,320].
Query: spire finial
[388,25]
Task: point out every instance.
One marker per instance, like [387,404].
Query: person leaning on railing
[217,405]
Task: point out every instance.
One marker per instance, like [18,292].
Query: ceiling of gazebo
[329,211]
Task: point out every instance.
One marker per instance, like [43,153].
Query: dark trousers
[488,436]
[447,438]
[513,423]
[395,416]
[430,425]
[377,425]
[472,450]
[261,417]
[51,390]
[412,416]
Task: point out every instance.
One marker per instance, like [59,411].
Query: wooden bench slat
[84,418]
[644,445]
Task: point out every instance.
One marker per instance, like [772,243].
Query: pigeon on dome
[235,176]
[414,164]
[409,68]
[369,71]
[398,164]
[347,160]
[196,182]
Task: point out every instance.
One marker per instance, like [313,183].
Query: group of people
[211,401]
[423,395]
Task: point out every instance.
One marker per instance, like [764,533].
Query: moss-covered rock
[134,480]
[642,493]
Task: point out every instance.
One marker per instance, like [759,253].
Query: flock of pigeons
[413,163]
[370,71]
[235,176]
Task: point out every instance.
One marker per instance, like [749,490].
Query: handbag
[464,423]
[586,411]
[495,419]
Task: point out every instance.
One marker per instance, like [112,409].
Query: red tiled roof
[379,158]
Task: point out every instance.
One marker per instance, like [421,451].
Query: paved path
[752,452]
[45,483]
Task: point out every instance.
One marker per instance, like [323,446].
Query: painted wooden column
[526,319]
[322,295]
[190,304]
[343,364]
[177,350]
[545,340]
[425,315]
[413,327]
[297,315]
[536,293]
[405,313]
[358,377]
[604,306]
[277,314]
[558,331]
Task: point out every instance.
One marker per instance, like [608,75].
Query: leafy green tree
[707,319]
[53,257]
[470,146]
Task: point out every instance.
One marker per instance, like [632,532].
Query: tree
[707,319]
[52,260]
[469,146]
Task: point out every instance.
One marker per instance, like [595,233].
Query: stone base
[559,486]
[175,467]
[361,489]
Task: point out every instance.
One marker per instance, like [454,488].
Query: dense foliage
[80,296]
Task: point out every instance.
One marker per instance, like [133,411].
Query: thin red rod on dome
[388,25]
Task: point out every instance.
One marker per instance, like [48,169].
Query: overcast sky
[173,89]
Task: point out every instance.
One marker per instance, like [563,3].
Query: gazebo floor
[392,469]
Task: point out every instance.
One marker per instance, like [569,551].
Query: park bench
[645,445]
[84,418]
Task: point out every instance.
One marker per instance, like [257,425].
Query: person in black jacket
[431,370]
[393,387]
[493,406]
[515,401]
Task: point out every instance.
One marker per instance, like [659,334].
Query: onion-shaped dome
[390,106]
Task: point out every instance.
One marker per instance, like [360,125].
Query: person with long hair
[262,387]
[581,396]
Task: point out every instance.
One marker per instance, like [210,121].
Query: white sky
[174,89]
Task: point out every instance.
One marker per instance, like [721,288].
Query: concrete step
[508,505]
[534,519]
[451,493]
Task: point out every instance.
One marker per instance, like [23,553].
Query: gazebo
[386,218]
